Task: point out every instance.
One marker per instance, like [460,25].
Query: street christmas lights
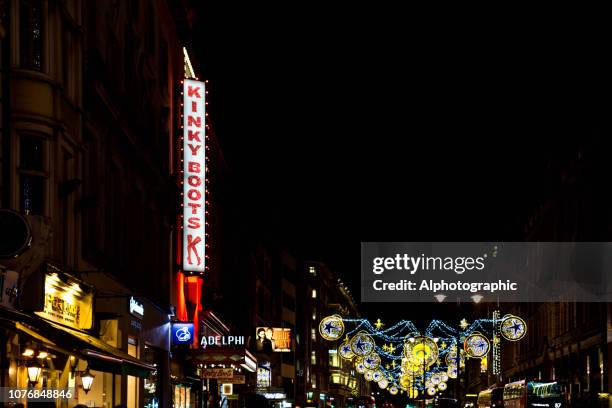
[410,361]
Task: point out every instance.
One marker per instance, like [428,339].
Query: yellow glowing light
[28,352]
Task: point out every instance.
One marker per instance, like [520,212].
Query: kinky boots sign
[194,176]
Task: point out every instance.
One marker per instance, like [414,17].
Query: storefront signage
[182,333]
[66,302]
[136,308]
[207,341]
[273,339]
[274,395]
[221,373]
[194,175]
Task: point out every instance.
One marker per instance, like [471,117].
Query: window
[314,293]
[313,380]
[334,359]
[313,357]
[31,175]
[313,334]
[31,31]
[312,270]
[314,314]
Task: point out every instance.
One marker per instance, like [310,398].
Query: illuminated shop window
[312,270]
[313,357]
[314,314]
[314,293]
[313,380]
[31,34]
[313,334]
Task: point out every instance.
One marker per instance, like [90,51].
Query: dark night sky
[343,125]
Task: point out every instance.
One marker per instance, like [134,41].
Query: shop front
[51,343]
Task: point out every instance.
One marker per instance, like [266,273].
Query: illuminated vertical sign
[194,179]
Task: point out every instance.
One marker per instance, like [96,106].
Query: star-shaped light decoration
[387,366]
[391,348]
[385,347]
[463,324]
[393,364]
[378,324]
[443,345]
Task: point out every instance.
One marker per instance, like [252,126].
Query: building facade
[569,342]
[90,91]
[325,378]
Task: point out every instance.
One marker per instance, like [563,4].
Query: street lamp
[87,379]
[34,371]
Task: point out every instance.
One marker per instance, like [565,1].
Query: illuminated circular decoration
[331,327]
[429,384]
[413,393]
[393,390]
[444,376]
[452,372]
[431,391]
[405,382]
[383,383]
[372,361]
[368,375]
[377,375]
[412,368]
[513,328]
[451,358]
[345,351]
[436,379]
[359,367]
[476,345]
[421,350]
[442,386]
[362,344]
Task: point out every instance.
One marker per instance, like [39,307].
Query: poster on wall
[273,339]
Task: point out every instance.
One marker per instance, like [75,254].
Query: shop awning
[99,355]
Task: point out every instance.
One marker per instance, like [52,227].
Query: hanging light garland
[413,362]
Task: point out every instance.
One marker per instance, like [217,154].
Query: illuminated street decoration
[513,328]
[496,344]
[400,357]
[362,344]
[345,351]
[476,345]
[421,350]
[194,176]
[331,327]
[359,367]
[372,361]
